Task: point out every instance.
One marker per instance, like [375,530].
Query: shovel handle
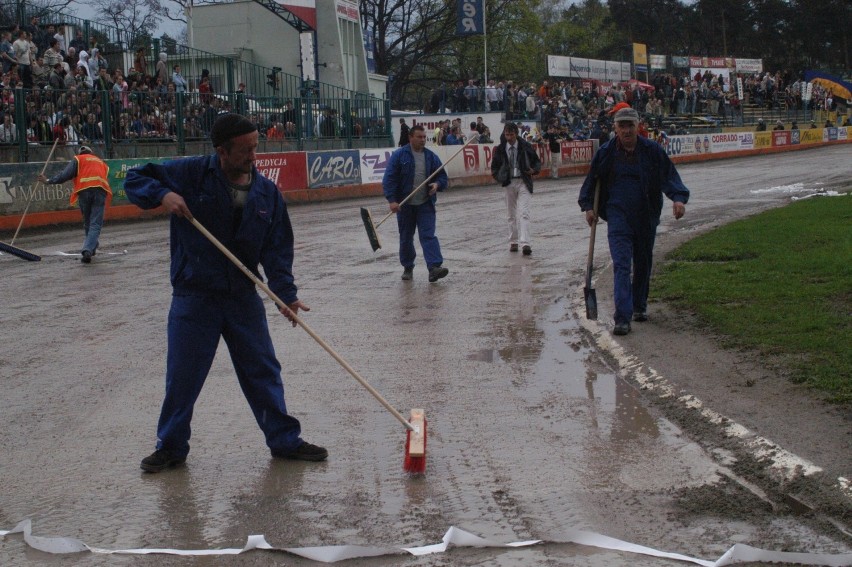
[280,303]
[425,181]
[592,235]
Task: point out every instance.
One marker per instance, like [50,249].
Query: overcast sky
[84,9]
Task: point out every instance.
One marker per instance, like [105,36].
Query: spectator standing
[78,43]
[7,52]
[403,133]
[91,190]
[162,68]
[52,55]
[178,80]
[408,167]
[513,164]
[23,56]
[632,175]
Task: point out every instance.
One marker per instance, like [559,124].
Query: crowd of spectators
[71,93]
[580,109]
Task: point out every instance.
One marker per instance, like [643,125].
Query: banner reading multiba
[471,17]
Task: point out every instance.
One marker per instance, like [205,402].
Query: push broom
[415,441]
[11,248]
[373,229]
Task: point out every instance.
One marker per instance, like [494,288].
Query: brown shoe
[527,250]
[513,247]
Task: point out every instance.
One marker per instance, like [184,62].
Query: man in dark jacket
[211,297]
[407,169]
[513,164]
[633,173]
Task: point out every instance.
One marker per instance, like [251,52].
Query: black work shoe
[513,247]
[407,274]
[160,460]
[640,316]
[621,329]
[437,273]
[87,257]
[527,250]
[304,452]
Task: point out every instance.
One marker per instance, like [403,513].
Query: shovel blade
[591,303]
[372,233]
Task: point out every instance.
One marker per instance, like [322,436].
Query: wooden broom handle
[425,181]
[30,200]
[594,226]
[301,323]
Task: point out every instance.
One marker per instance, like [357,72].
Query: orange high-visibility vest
[91,172]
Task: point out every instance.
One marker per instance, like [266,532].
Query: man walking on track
[408,167]
[513,165]
[91,190]
[634,173]
[211,297]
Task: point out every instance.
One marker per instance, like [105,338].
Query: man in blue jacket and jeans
[407,169]
[211,297]
[634,174]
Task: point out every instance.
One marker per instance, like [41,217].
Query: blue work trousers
[422,219]
[195,324]
[631,246]
[92,203]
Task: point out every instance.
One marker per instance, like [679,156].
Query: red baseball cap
[618,107]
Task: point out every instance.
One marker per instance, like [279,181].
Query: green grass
[779,282]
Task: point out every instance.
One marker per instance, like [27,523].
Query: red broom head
[415,464]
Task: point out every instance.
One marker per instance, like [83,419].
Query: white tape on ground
[739,553]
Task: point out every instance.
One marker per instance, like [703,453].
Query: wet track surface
[531,431]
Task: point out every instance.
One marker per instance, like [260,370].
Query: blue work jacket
[659,177]
[398,181]
[264,235]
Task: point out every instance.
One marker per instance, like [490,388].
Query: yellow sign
[763,139]
[640,54]
[811,136]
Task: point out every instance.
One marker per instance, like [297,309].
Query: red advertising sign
[780,137]
[288,170]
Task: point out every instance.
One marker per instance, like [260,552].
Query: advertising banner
[332,168]
[470,17]
[579,68]
[658,62]
[762,140]
[781,138]
[640,57]
[829,134]
[810,136]
[373,164]
[474,159]
[748,65]
[680,61]
[577,153]
[288,170]
[711,62]
[794,137]
[118,169]
[724,142]
[843,133]
[688,145]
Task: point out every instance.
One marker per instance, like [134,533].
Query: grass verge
[779,282]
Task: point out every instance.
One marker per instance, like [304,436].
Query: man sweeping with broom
[211,297]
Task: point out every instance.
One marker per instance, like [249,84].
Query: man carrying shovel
[634,173]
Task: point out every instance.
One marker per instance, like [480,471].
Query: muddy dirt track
[534,429]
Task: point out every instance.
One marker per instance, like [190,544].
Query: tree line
[416,45]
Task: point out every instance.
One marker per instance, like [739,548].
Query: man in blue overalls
[408,167]
[211,297]
[634,173]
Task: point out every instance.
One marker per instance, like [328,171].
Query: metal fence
[268,95]
[145,123]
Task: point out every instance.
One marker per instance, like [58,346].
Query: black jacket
[527,159]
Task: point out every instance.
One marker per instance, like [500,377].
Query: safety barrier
[309,176]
